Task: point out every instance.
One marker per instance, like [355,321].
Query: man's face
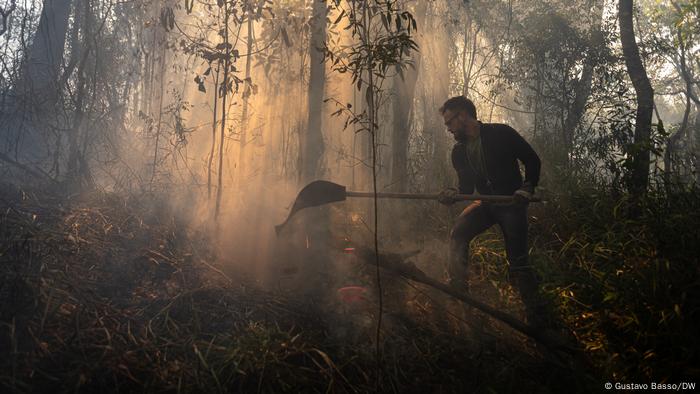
[460,124]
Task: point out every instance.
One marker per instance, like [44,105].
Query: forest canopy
[125,95]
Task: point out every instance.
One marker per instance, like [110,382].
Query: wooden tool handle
[433,196]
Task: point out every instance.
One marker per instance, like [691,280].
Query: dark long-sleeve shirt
[502,148]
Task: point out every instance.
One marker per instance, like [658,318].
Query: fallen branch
[394,263]
[218,271]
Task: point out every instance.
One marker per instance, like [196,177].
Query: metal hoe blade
[314,194]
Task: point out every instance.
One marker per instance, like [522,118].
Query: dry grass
[103,294]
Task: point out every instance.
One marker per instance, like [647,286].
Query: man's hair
[459,103]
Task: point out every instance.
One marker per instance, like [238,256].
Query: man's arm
[459,163]
[466,182]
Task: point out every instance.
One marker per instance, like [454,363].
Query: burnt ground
[99,293]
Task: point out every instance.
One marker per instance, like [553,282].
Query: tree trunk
[690,97]
[583,85]
[312,147]
[404,90]
[247,92]
[673,139]
[210,158]
[639,175]
[159,121]
[224,108]
[75,171]
[404,93]
[37,90]
[46,53]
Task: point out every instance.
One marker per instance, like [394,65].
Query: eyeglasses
[448,122]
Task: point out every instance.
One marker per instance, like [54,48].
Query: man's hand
[447,196]
[523,195]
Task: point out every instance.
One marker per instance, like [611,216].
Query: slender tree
[247,93]
[403,94]
[224,96]
[640,153]
[312,142]
[37,91]
[582,85]
[210,157]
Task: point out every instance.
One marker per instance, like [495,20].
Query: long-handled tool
[323,192]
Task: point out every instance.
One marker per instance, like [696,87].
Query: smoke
[265,117]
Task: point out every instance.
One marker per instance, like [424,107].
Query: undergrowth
[101,293]
[624,275]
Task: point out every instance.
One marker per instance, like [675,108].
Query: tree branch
[395,264]
[6,15]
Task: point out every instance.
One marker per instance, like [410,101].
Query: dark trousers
[477,218]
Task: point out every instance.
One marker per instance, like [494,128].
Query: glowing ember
[352,294]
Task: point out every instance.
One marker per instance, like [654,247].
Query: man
[486,158]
